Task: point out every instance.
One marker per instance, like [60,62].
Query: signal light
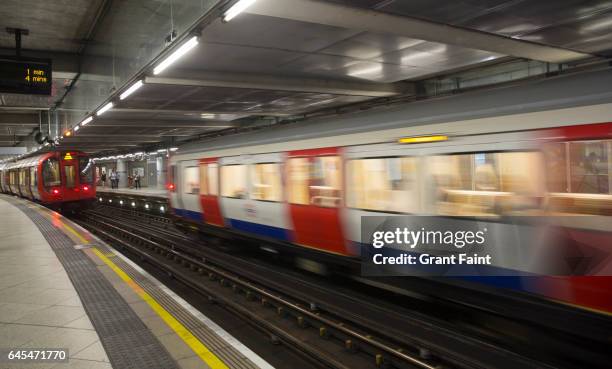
[171,186]
[85,188]
[55,191]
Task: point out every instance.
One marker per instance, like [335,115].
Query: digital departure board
[25,75]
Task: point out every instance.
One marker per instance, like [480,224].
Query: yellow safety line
[74,232]
[193,342]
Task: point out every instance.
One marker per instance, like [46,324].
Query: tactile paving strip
[128,342]
[224,351]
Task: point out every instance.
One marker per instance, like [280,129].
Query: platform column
[122,171]
[160,165]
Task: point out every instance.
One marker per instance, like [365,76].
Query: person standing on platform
[103,178]
[137,180]
[113,178]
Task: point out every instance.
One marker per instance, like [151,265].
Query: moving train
[62,180]
[304,187]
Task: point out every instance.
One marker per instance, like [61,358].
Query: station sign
[25,75]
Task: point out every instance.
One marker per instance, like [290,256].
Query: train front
[69,182]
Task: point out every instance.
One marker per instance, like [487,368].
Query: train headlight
[133,204]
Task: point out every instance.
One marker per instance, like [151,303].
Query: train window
[266,182]
[556,164]
[297,179]
[191,183]
[326,181]
[589,166]
[209,184]
[85,170]
[382,184]
[51,173]
[485,183]
[70,175]
[234,181]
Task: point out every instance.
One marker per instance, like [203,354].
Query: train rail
[359,326]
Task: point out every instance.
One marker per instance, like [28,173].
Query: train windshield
[85,170]
[51,172]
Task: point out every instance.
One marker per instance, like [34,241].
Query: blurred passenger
[137,180]
[113,179]
[103,178]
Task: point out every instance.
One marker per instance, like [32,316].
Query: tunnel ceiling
[273,62]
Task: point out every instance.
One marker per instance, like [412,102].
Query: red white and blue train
[305,186]
[61,180]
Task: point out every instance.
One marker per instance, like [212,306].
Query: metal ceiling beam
[143,123]
[267,82]
[196,112]
[113,139]
[19,119]
[337,15]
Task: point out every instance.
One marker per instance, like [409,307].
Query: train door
[34,180]
[189,190]
[209,191]
[69,170]
[26,182]
[314,187]
[21,182]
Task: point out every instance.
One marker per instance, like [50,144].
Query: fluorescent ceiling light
[173,148]
[87,120]
[161,150]
[176,55]
[76,128]
[104,108]
[236,9]
[131,90]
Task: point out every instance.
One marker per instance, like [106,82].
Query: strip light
[104,109]
[236,9]
[131,90]
[76,128]
[87,120]
[186,47]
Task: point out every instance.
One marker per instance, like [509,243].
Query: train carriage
[62,180]
[310,195]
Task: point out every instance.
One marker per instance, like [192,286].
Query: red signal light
[55,191]
[85,188]
[171,187]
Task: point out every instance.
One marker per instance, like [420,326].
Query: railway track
[324,323]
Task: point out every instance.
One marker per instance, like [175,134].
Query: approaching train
[306,186]
[61,180]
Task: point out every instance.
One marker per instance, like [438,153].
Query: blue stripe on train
[193,215]
[260,229]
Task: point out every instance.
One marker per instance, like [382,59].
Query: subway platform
[62,288]
[144,191]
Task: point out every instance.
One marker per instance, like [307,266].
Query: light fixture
[173,148]
[176,55]
[236,9]
[86,120]
[146,206]
[131,90]
[161,150]
[120,202]
[68,134]
[162,209]
[104,109]
[133,204]
[76,128]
